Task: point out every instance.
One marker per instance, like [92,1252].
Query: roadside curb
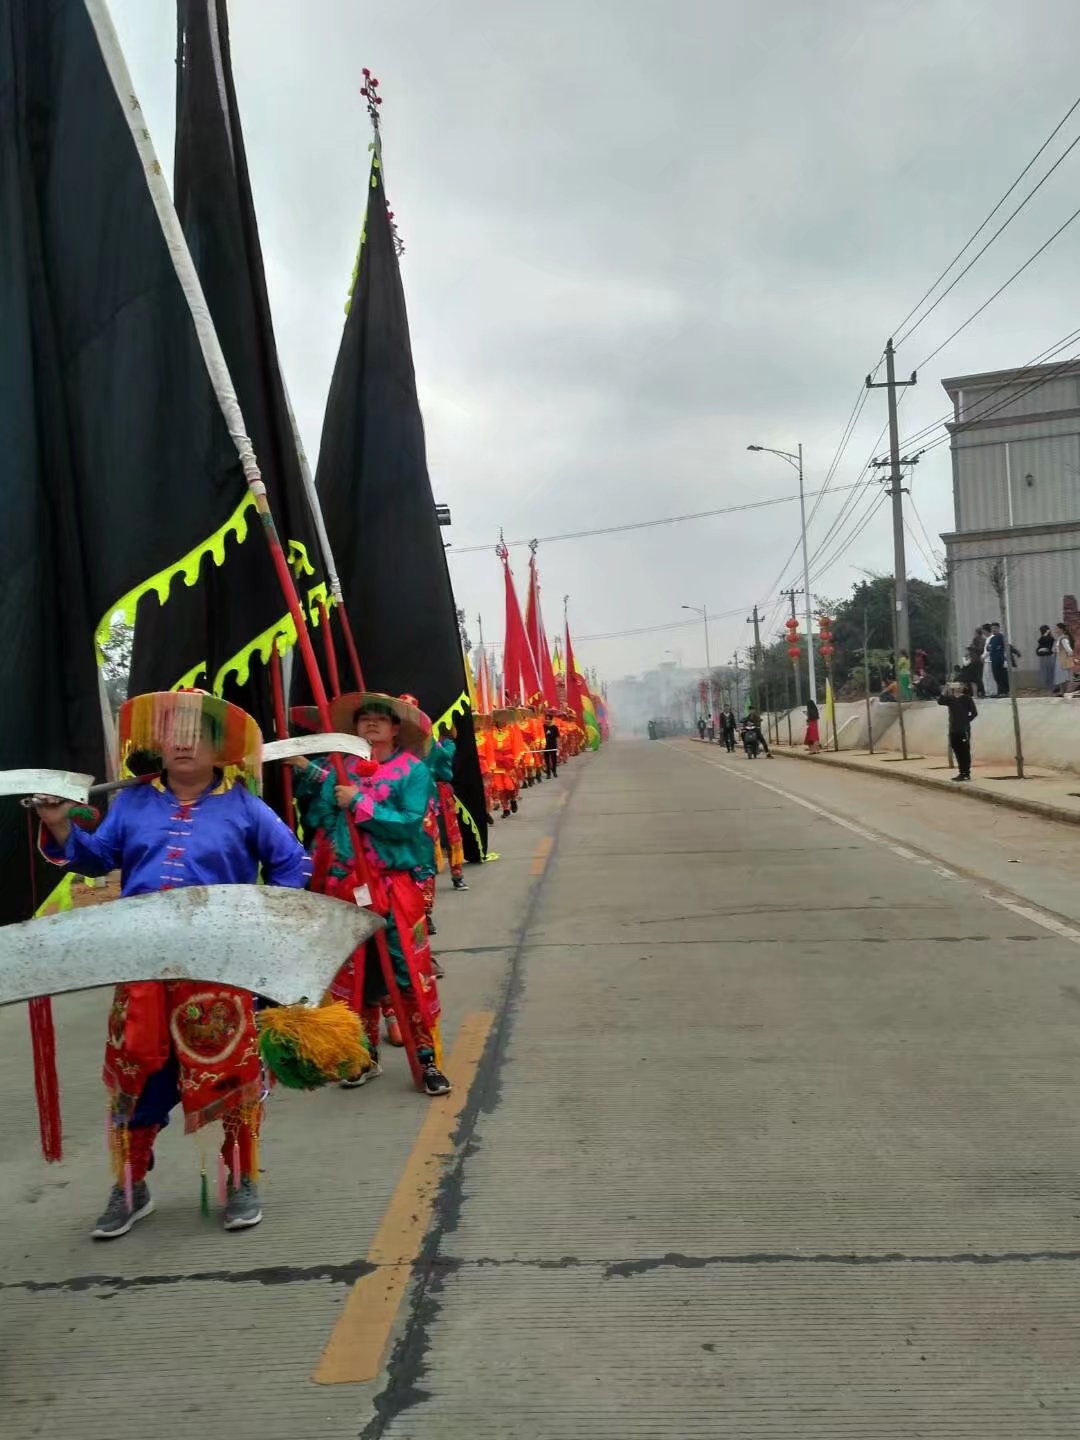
[1009,802]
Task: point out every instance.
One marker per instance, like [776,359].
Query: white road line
[1037,917]
[1028,912]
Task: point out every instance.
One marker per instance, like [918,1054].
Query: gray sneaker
[242,1209]
[354,1082]
[118,1219]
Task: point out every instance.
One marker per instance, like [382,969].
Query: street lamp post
[796,461]
[703,611]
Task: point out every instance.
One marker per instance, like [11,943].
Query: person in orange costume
[485,752]
[508,749]
[533,728]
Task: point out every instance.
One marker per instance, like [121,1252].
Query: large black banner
[235,604]
[376,500]
[115,461]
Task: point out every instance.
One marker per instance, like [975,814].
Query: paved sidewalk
[1053,794]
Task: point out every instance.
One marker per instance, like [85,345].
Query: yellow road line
[354,1353]
[540,855]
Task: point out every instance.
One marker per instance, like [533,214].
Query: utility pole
[735,663]
[790,594]
[755,620]
[866,669]
[903,625]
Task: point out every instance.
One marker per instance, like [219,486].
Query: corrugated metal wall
[1006,476]
[1040,571]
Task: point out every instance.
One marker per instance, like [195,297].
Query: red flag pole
[350,644]
[329,651]
[281,729]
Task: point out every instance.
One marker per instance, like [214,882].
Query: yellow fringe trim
[445,720]
[299,563]
[467,817]
[57,899]
[188,566]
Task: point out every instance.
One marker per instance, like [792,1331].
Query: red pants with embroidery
[240,1140]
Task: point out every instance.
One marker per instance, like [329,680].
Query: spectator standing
[903,676]
[1063,659]
[975,661]
[812,739]
[961,707]
[1044,649]
[1002,655]
[990,688]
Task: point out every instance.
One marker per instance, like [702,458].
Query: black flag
[107,411]
[376,499]
[227,621]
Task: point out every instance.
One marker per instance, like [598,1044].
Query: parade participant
[486,755]
[507,748]
[551,746]
[535,736]
[170,1042]
[440,761]
[388,808]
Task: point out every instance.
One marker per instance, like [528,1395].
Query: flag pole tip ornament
[415,732]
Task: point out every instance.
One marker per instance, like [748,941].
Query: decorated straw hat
[148,724]
[415,732]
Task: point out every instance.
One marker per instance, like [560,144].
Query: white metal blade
[284,944]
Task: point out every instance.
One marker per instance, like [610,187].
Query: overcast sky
[641,236]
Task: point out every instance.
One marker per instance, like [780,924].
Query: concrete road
[764,1128]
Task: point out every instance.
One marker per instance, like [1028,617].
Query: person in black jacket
[728,725]
[551,745]
[961,707]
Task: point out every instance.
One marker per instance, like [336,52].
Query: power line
[854,500]
[932,565]
[926,533]
[645,629]
[848,431]
[846,543]
[972,238]
[1037,384]
[1001,288]
[637,524]
[984,408]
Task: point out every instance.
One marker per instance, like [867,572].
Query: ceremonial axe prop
[285,944]
[40,785]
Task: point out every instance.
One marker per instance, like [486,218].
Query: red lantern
[794,652]
[826,650]
[791,623]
